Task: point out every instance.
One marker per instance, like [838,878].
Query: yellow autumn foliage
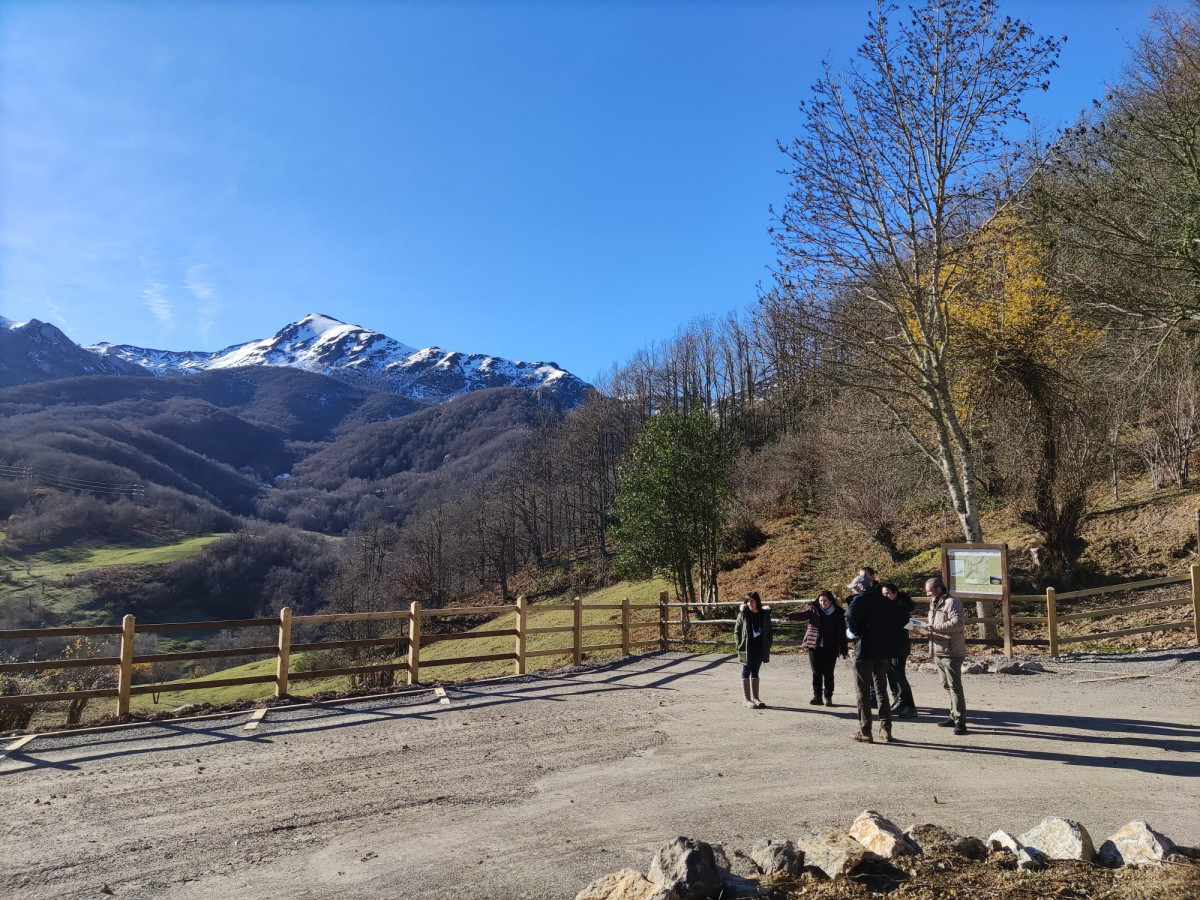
[1004,310]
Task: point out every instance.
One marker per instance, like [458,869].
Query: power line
[32,475]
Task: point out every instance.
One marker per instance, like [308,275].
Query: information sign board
[976,571]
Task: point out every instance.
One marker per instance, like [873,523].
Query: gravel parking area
[531,787]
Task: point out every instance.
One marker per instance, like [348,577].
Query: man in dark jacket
[878,628]
[903,706]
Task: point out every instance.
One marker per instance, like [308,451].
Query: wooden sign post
[980,572]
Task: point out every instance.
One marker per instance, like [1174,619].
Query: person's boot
[758,704]
[746,693]
[816,700]
[960,727]
[829,699]
[885,733]
[906,712]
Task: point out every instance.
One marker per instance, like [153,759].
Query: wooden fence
[413,637]
[407,644]
[1051,620]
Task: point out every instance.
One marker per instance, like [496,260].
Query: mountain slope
[302,405]
[36,351]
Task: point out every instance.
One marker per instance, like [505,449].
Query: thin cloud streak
[57,314]
[158,304]
[194,280]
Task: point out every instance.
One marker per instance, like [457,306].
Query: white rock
[776,857]
[881,836]
[1137,844]
[833,852]
[1002,840]
[1060,838]
[625,885]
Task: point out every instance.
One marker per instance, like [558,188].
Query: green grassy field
[44,578]
[219,696]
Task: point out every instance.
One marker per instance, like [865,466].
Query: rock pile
[690,869]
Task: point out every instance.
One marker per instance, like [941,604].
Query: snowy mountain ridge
[323,344]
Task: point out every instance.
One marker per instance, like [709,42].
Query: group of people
[878,623]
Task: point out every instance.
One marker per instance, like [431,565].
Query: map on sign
[975,571]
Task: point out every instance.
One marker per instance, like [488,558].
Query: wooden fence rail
[408,645]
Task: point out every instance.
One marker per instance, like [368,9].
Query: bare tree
[1122,185]
[893,174]
[1168,428]
[365,583]
[870,476]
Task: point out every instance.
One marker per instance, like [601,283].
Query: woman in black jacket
[825,641]
[752,631]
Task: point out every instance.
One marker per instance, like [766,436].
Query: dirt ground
[532,787]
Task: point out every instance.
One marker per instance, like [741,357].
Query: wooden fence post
[1006,613]
[125,672]
[662,620]
[578,644]
[1196,601]
[519,667]
[1052,620]
[624,626]
[283,661]
[414,643]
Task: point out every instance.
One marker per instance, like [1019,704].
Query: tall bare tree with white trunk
[894,172]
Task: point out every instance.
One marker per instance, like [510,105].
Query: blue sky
[562,181]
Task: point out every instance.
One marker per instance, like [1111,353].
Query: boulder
[1060,838]
[776,858]
[936,839]
[1002,840]
[1029,859]
[688,868]
[625,885]
[832,852]
[881,836]
[975,669]
[1137,844]
[1033,667]
[1011,668]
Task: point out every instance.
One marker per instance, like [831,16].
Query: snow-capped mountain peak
[321,343]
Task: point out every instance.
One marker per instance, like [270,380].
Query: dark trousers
[868,673]
[753,664]
[822,660]
[898,681]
